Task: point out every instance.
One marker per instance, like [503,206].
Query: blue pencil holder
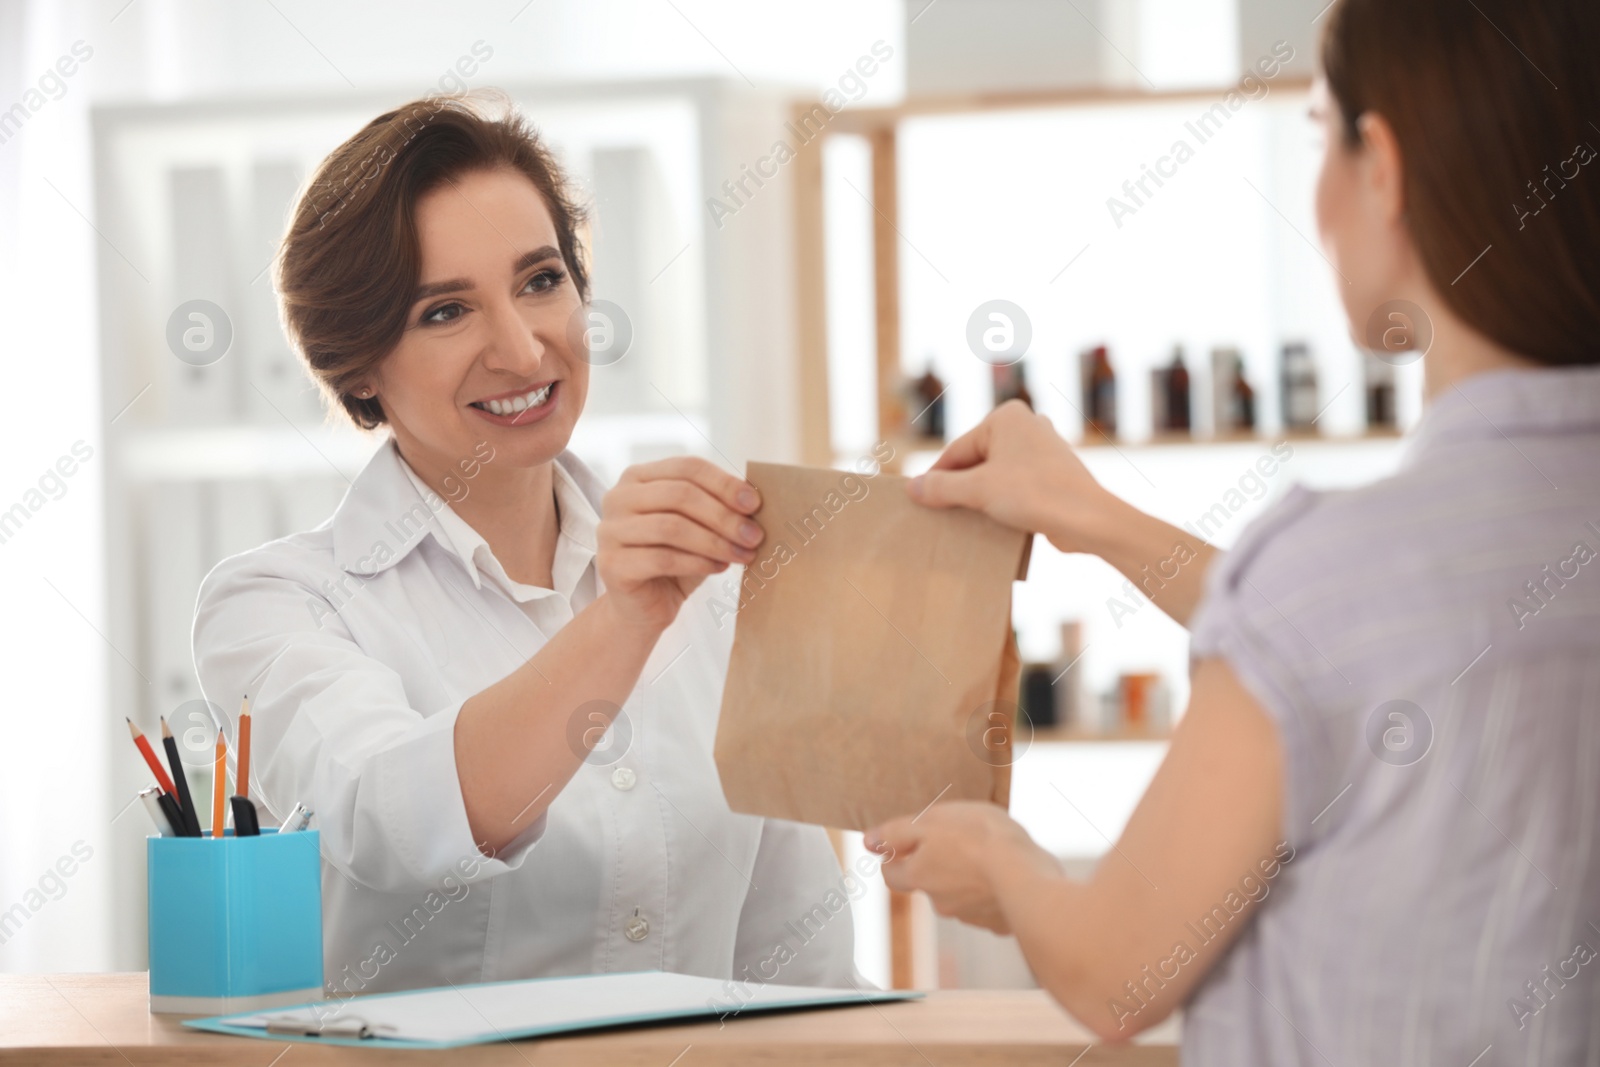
[235,922]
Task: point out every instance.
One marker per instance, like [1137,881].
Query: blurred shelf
[243,451]
[915,455]
[908,447]
[1057,735]
[1174,440]
[288,450]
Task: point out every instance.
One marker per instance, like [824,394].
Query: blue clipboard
[453,1016]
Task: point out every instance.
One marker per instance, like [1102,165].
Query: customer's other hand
[959,853]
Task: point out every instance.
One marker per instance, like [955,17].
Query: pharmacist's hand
[664,527]
[1015,468]
[957,852]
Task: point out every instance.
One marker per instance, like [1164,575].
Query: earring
[365,394]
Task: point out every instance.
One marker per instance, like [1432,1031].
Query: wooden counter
[102,1019]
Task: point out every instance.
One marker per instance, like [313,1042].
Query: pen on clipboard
[349,1026]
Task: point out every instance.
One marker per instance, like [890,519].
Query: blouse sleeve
[332,728]
[1253,617]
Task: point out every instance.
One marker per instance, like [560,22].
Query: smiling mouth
[513,405]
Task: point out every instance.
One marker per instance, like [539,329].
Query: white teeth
[516,404]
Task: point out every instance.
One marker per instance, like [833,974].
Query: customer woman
[1376,835]
[491,678]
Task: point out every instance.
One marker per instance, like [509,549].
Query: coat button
[637,928]
[623,778]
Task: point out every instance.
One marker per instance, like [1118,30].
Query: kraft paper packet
[873,668]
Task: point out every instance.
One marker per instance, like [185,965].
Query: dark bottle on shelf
[1160,398]
[1244,398]
[1169,396]
[1380,392]
[1178,393]
[1099,394]
[928,394]
[1038,701]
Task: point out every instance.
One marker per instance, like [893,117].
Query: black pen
[246,823]
[189,823]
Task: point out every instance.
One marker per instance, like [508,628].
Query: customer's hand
[1015,468]
[959,853]
[664,527]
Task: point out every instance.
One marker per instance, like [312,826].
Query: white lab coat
[358,642]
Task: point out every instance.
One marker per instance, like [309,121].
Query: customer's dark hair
[1494,104]
[351,258]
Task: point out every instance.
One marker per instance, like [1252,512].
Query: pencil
[219,787]
[190,826]
[246,822]
[150,758]
[241,778]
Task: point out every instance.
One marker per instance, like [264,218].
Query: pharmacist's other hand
[952,852]
[1016,469]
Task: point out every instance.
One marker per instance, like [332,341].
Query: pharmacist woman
[1375,838]
[495,681]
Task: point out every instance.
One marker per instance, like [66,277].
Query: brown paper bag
[873,669]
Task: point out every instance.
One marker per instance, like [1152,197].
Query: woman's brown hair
[351,259]
[1494,105]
